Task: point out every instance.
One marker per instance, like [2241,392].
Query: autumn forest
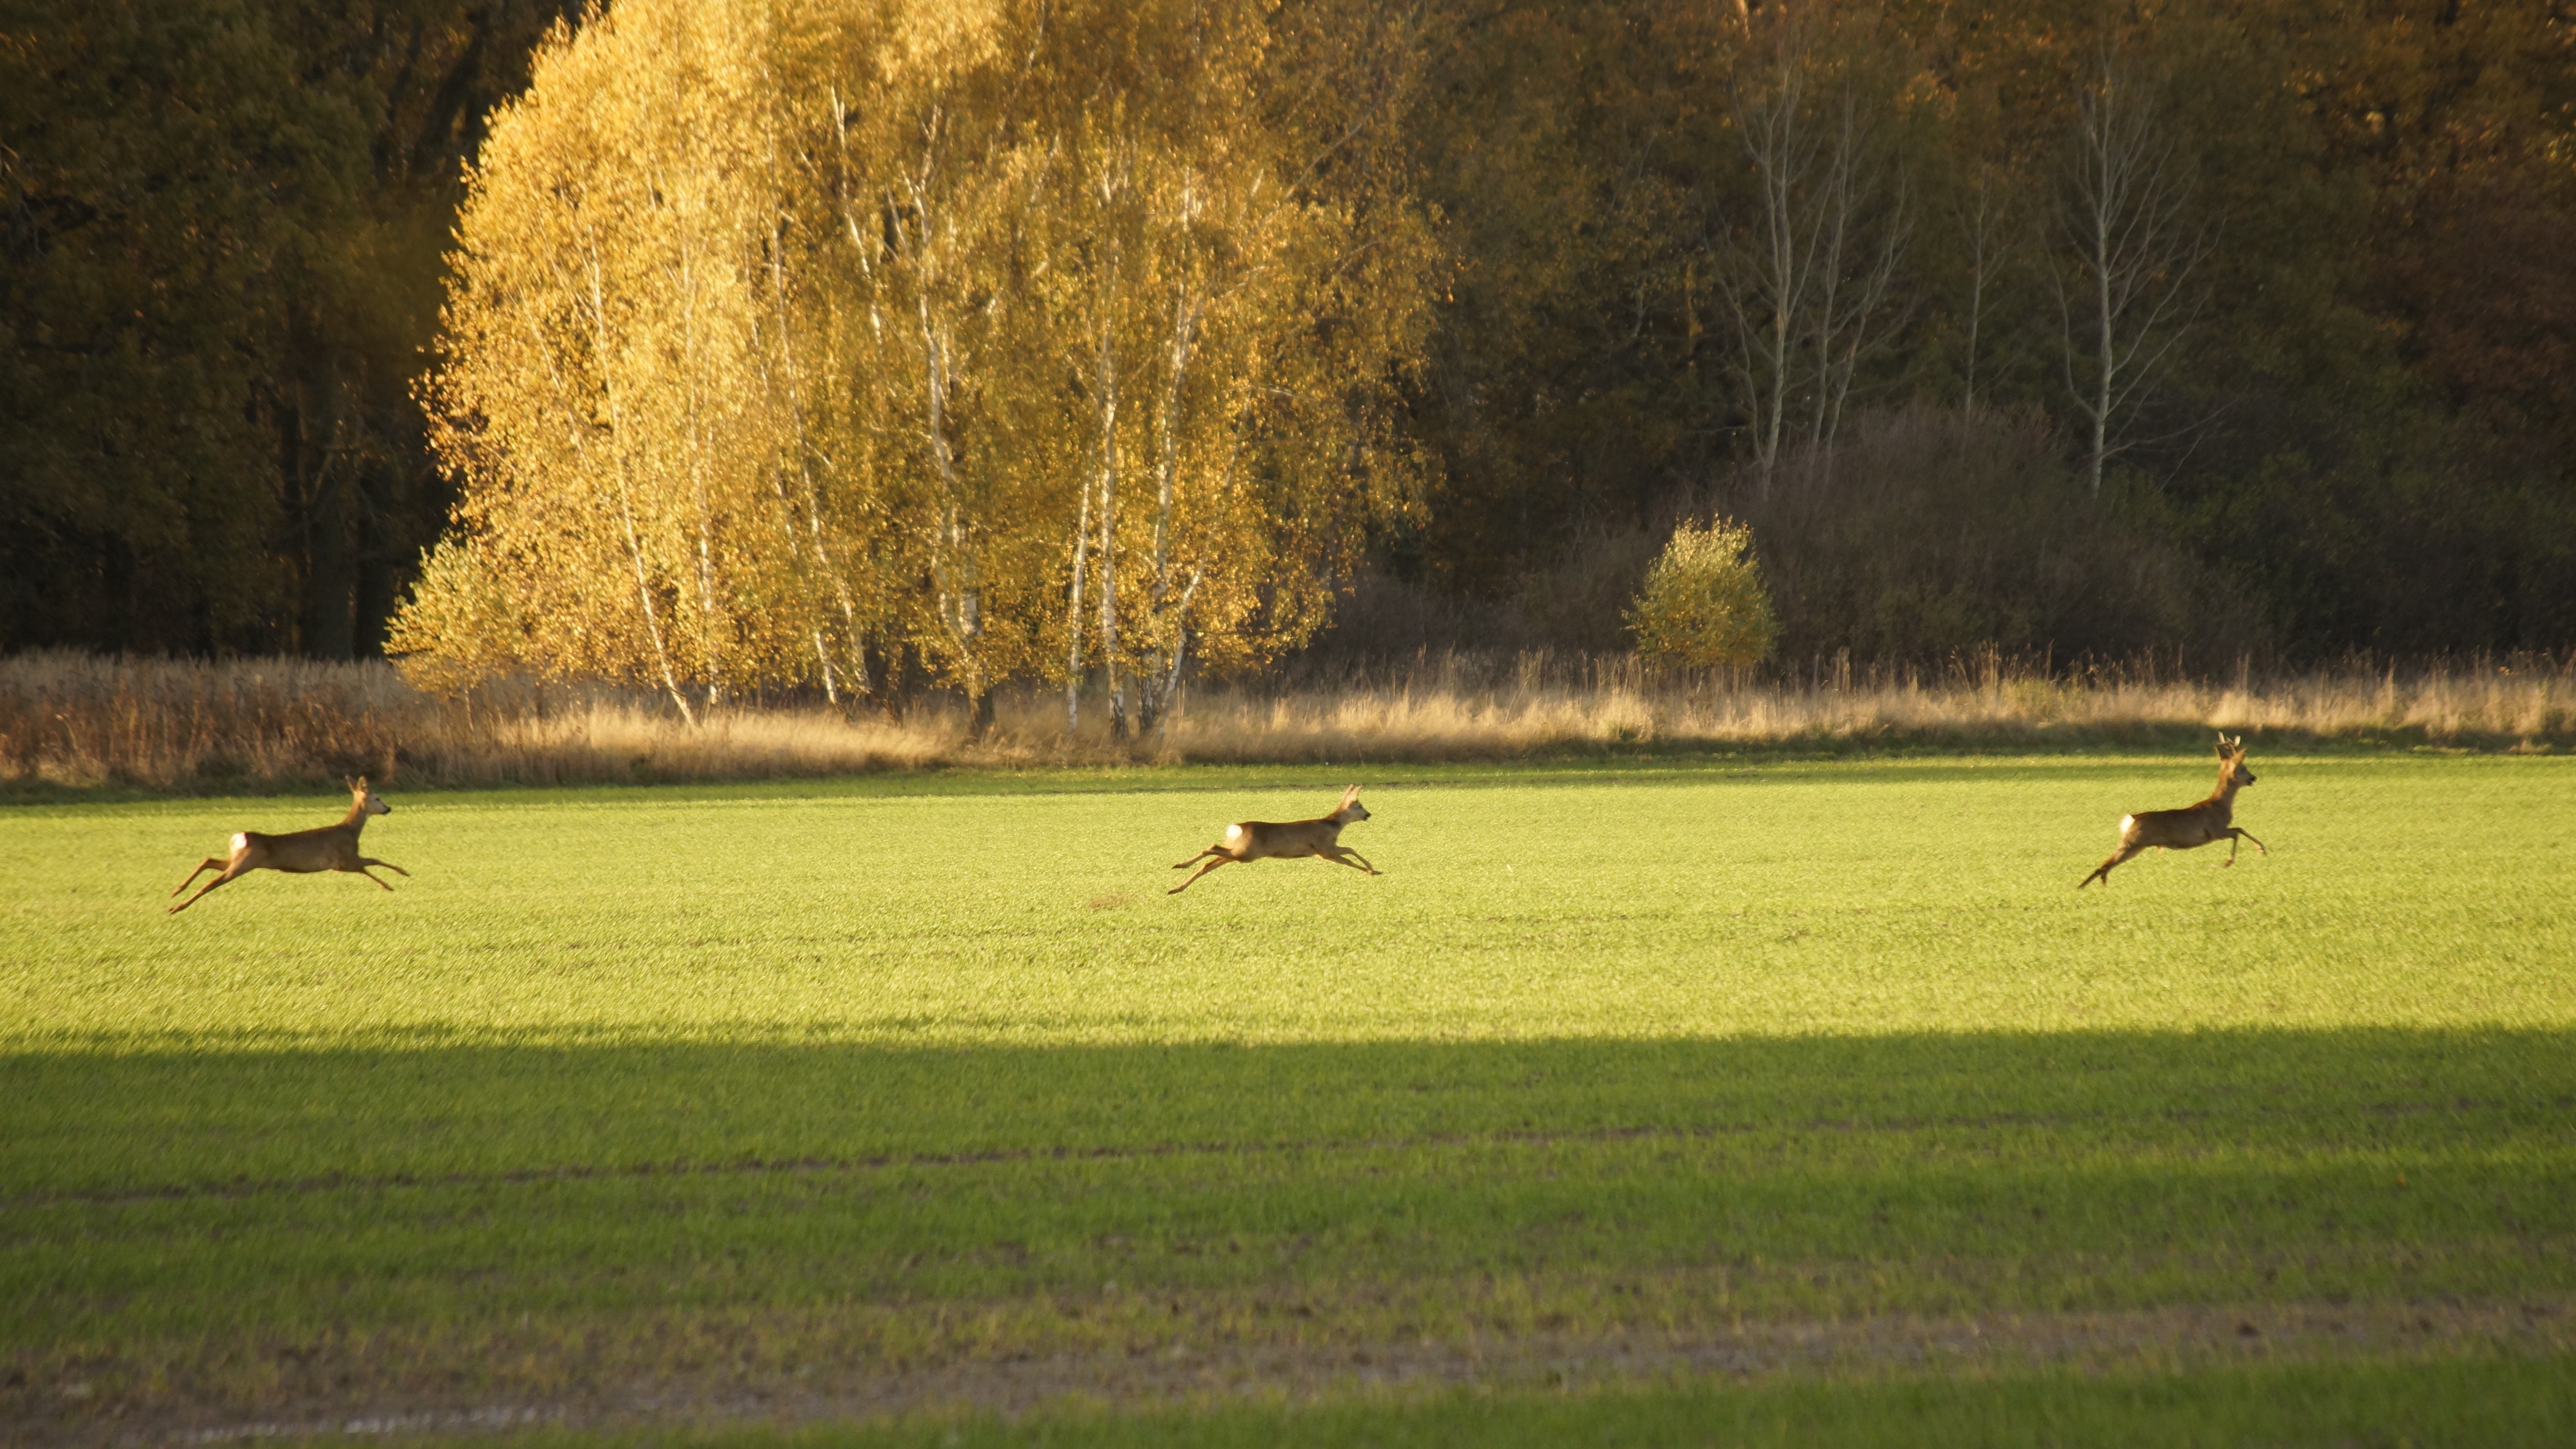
[852,347]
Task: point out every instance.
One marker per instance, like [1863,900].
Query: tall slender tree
[2128,284]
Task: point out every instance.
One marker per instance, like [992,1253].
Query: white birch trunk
[625,493]
[2136,256]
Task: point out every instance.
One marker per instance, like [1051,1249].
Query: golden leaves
[787,335]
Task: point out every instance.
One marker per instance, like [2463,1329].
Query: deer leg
[1211,865]
[2258,845]
[213,862]
[1195,859]
[361,869]
[364,862]
[2102,872]
[1344,855]
[228,874]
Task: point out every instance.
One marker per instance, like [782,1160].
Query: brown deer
[2193,825]
[325,847]
[1248,840]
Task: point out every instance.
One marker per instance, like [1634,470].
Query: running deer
[325,847]
[2193,825]
[1248,840]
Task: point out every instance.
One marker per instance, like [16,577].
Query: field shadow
[177,1115]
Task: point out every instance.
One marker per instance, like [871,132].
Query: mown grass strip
[2092,1381]
[2487,1403]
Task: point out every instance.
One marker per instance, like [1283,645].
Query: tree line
[851,345]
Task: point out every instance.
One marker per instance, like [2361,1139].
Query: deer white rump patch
[241,840]
[2125,822]
[1233,832]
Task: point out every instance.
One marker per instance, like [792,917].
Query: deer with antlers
[325,847]
[1249,840]
[2193,825]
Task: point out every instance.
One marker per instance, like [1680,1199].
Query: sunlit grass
[1682,902]
[901,1074]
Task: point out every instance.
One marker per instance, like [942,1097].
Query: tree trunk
[1106,383]
[1155,682]
[812,496]
[2101,408]
[626,499]
[1073,618]
[1111,678]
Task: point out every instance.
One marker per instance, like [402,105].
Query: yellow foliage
[1022,337]
[1703,604]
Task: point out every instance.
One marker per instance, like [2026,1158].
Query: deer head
[1351,808]
[2231,760]
[362,798]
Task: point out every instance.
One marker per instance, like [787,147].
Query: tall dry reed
[78,721]
[1456,707]
[84,721]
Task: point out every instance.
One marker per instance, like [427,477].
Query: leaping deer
[325,847]
[2193,825]
[1248,840]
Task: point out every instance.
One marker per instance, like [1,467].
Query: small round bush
[1703,604]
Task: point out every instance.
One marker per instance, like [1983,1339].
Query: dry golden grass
[1454,709]
[81,722]
[84,721]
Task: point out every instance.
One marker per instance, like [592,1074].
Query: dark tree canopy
[223,229]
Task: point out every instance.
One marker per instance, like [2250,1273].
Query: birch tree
[1806,272]
[1984,220]
[610,366]
[1008,339]
[2128,289]
[1200,294]
[527,408]
[935,205]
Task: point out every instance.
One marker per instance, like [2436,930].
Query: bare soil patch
[786,1368]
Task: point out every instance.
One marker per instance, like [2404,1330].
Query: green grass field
[1720,1101]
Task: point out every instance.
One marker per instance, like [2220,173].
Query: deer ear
[1350,794]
